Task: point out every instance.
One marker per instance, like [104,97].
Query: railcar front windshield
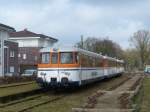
[45,58]
[54,58]
[66,57]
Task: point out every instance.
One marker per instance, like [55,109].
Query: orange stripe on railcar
[58,65]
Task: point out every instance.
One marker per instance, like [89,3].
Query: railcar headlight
[42,73]
[66,73]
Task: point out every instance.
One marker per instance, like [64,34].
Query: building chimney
[25,29]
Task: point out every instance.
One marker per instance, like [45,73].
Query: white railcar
[75,67]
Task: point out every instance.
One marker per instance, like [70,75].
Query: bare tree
[131,59]
[141,42]
[104,46]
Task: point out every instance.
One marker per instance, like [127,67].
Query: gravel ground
[115,100]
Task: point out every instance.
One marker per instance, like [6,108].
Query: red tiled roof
[26,33]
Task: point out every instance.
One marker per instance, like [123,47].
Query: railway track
[119,84]
[32,102]
[19,101]
[14,91]
[16,84]
[20,97]
[39,93]
[42,103]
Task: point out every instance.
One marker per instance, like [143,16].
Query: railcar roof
[60,49]
[74,49]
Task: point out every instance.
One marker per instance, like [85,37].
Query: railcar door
[55,64]
[105,67]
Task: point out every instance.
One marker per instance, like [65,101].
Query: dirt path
[115,100]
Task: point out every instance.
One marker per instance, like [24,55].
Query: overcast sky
[67,20]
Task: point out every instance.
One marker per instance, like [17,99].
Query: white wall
[27,42]
[3,35]
[32,42]
[45,43]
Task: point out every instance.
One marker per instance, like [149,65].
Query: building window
[12,53]
[36,58]
[11,69]
[19,55]
[24,56]
[19,69]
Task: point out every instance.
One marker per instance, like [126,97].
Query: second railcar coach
[75,67]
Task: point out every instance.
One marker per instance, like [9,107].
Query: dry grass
[144,96]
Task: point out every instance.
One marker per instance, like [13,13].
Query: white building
[4,35]
[27,38]
[29,45]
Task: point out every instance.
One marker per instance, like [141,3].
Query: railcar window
[45,58]
[111,63]
[66,58]
[88,61]
[54,58]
